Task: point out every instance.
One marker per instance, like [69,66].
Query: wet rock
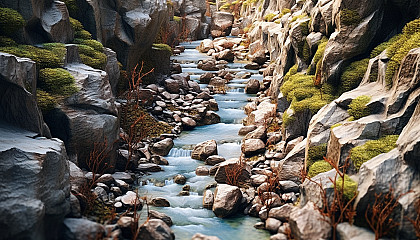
[252,66]
[246,129]
[149,167]
[281,213]
[263,111]
[176,68]
[259,133]
[252,86]
[205,45]
[202,171]
[199,236]
[172,86]
[188,123]
[258,57]
[211,118]
[205,77]
[156,229]
[203,150]
[180,179]
[184,193]
[279,236]
[107,179]
[272,224]
[345,231]
[186,188]
[308,223]
[130,199]
[288,186]
[80,228]
[257,180]
[255,209]
[259,225]
[124,176]
[232,164]
[162,147]
[208,199]
[125,224]
[227,199]
[292,164]
[159,160]
[160,202]
[204,95]
[158,215]
[75,210]
[226,54]
[215,159]
[253,146]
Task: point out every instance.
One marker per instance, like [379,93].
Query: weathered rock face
[292,164]
[203,150]
[121,25]
[79,228]
[221,24]
[253,146]
[35,187]
[18,94]
[227,199]
[308,223]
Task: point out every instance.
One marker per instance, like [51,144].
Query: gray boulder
[252,86]
[156,229]
[215,159]
[345,231]
[272,224]
[233,165]
[158,215]
[203,150]
[227,199]
[35,187]
[221,24]
[80,229]
[308,223]
[208,199]
[253,146]
[162,147]
[55,22]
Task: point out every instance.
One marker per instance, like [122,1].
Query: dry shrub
[272,186]
[234,171]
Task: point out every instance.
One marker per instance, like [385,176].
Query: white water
[187,213]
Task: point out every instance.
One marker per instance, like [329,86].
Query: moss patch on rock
[269,17]
[57,81]
[91,57]
[349,188]
[45,58]
[162,47]
[318,167]
[353,75]
[7,42]
[371,149]
[45,101]
[10,21]
[97,46]
[316,153]
[318,55]
[358,108]
[349,17]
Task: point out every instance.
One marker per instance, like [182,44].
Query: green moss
[371,149]
[412,27]
[162,47]
[91,57]
[71,7]
[269,17]
[45,101]
[336,125]
[57,48]
[318,167]
[358,108]
[91,43]
[76,25]
[318,55]
[381,47]
[287,119]
[278,21]
[83,34]
[316,153]
[353,75]
[349,17]
[285,11]
[225,6]
[10,21]
[7,42]
[177,19]
[349,188]
[292,71]
[306,52]
[57,81]
[45,58]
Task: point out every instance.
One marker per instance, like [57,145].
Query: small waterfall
[179,152]
[236,90]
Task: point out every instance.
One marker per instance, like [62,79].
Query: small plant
[358,107]
[10,21]
[371,149]
[349,17]
[378,215]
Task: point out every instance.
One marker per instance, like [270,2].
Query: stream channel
[187,212]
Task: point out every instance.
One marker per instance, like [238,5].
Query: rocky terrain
[91,106]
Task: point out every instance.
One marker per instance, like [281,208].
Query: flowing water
[187,213]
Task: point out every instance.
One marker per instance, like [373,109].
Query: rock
[214,159]
[272,224]
[107,179]
[186,188]
[125,224]
[202,171]
[255,209]
[208,199]
[221,24]
[252,86]
[205,77]
[188,123]
[18,91]
[199,236]
[160,202]
[203,150]
[288,186]
[378,175]
[345,231]
[258,57]
[263,213]
[211,118]
[159,160]
[79,229]
[149,167]
[279,236]
[252,66]
[292,164]
[281,213]
[227,199]
[205,45]
[172,86]
[176,68]
[257,180]
[112,69]
[56,23]
[75,210]
[310,191]
[184,193]
[180,179]
[77,177]
[308,223]
[227,55]
[157,215]
[233,165]
[259,133]
[35,185]
[204,95]
[124,176]
[253,146]
[130,199]
[162,147]
[155,229]
[246,129]
[259,225]
[263,111]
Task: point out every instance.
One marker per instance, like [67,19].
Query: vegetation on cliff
[10,21]
[358,107]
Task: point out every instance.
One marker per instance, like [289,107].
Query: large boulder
[80,228]
[307,223]
[252,86]
[18,79]
[264,110]
[221,24]
[35,187]
[156,229]
[55,21]
[253,146]
[291,166]
[162,147]
[227,199]
[205,45]
[225,168]
[204,150]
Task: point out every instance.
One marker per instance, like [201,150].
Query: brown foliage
[272,186]
[416,222]
[378,216]
[233,172]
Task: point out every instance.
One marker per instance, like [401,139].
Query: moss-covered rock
[353,75]
[57,81]
[318,167]
[45,101]
[349,188]
[162,46]
[287,119]
[358,108]
[91,57]
[7,42]
[371,149]
[349,17]
[45,58]
[318,56]
[269,17]
[71,7]
[97,46]
[316,153]
[10,21]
